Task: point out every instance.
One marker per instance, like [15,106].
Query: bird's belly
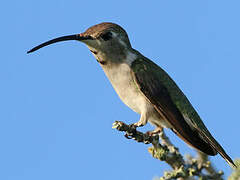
[123,83]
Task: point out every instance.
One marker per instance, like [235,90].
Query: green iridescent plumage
[171,103]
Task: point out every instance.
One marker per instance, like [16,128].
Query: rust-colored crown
[98,29]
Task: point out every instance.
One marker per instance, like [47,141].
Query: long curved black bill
[59,39]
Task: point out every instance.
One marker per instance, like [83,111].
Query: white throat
[130,57]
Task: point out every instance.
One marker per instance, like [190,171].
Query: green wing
[171,103]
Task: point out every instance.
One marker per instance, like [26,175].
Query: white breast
[122,81]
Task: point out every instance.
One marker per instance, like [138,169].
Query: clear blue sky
[57,107]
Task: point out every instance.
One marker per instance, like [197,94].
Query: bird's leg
[156,131]
[134,126]
[142,122]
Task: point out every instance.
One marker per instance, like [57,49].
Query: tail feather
[195,141]
[214,144]
[205,142]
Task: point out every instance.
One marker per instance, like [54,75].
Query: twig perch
[166,151]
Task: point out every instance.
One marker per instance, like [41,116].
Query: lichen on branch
[182,168]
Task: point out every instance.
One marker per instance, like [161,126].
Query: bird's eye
[107,36]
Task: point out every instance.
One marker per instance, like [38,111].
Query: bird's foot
[139,124]
[155,132]
[133,128]
[132,133]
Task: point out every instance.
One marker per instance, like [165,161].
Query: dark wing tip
[227,158]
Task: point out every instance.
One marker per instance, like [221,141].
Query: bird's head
[104,39]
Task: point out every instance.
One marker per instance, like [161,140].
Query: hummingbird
[145,87]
